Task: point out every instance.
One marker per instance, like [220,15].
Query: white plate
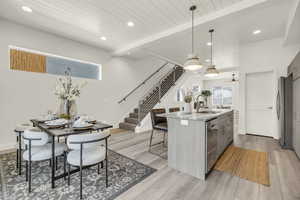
[56,122]
[83,125]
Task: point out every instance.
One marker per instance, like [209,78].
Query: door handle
[271,107]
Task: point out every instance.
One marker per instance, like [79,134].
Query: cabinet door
[221,136]
[228,129]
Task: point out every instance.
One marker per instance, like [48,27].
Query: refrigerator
[284,109]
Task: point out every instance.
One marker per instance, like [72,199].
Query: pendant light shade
[211,71]
[192,62]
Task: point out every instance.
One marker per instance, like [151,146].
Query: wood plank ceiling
[88,20]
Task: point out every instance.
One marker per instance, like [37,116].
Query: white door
[259,103]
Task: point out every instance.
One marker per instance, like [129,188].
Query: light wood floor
[169,184]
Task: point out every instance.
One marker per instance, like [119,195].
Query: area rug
[247,164]
[123,174]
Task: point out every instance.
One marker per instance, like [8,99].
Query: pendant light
[192,62]
[211,71]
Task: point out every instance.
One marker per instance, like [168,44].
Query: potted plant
[67,93]
[206,94]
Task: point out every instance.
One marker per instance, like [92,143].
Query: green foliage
[206,93]
[188,99]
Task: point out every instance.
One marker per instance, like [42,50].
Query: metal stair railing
[143,83]
[154,95]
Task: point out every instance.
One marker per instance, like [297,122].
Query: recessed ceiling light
[256,32]
[26,9]
[209,44]
[207,60]
[130,24]
[103,38]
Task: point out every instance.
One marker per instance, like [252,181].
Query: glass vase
[67,109]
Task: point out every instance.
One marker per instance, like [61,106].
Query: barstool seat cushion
[44,152]
[90,156]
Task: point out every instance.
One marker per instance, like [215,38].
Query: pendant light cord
[193,8]
[211,48]
[192,31]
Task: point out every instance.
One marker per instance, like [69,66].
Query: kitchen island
[197,140]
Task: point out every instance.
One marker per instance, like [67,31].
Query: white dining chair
[38,149]
[87,150]
[20,146]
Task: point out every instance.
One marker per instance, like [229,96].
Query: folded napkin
[56,122]
[81,122]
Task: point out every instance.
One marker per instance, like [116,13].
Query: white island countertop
[202,116]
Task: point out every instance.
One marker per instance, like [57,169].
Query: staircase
[148,101]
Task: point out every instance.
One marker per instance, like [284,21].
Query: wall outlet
[184,122]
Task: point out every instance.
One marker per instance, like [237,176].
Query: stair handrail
[158,84]
[142,83]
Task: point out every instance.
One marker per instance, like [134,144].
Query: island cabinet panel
[186,146]
[196,141]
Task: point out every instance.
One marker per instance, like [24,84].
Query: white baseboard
[7,147]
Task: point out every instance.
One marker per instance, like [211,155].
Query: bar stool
[158,123]
[175,109]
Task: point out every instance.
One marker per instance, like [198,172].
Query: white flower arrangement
[65,88]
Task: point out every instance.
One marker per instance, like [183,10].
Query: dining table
[64,131]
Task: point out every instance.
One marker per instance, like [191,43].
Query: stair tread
[131,120]
[127,126]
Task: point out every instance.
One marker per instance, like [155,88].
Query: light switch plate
[184,122]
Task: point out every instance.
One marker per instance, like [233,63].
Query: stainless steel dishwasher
[211,143]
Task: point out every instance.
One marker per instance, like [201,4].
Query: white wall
[268,55]
[25,95]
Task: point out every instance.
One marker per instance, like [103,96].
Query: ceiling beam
[160,57]
[183,27]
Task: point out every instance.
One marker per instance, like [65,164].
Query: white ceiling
[88,20]
[230,32]
[162,27]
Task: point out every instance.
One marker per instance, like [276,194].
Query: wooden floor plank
[169,184]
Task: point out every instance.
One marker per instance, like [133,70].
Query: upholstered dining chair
[20,146]
[38,149]
[158,123]
[175,109]
[87,150]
